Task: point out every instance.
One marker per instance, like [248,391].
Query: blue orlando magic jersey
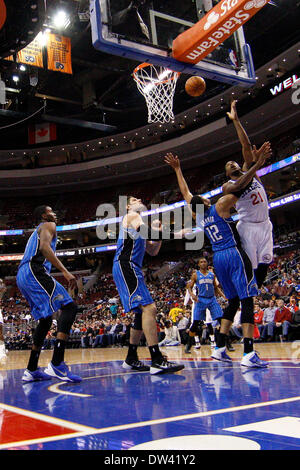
[32,253]
[130,246]
[222,233]
[205,284]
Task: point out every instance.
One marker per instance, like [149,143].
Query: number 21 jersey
[252,205]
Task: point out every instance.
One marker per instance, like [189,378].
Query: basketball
[195,86]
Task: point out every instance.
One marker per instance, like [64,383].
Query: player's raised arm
[174,162]
[250,153]
[239,184]
[47,232]
[242,135]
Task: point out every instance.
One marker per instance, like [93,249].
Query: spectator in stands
[172,336]
[87,337]
[258,319]
[292,306]
[125,334]
[275,295]
[183,322]
[269,314]
[281,323]
[174,312]
[114,311]
[116,330]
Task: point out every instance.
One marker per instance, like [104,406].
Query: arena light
[61,20]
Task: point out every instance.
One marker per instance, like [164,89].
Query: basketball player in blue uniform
[232,266]
[133,242]
[46,296]
[207,290]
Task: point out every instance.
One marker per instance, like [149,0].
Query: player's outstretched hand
[233,112]
[262,154]
[72,283]
[172,160]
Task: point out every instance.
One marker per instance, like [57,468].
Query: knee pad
[247,310]
[41,331]
[137,323]
[231,309]
[66,318]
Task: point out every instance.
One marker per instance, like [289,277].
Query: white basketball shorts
[257,241]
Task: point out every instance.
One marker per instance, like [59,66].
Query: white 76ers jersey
[252,205]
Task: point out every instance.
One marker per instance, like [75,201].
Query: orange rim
[158,82]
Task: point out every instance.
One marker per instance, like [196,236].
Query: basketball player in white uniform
[254,226]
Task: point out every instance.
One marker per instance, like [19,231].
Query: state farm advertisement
[214,28]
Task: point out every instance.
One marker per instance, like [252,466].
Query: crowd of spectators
[81,206]
[102,323]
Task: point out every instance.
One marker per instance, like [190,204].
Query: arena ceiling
[101,89]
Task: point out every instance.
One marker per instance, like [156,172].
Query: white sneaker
[252,360]
[221,355]
[3,354]
[198,346]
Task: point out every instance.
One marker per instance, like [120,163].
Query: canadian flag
[40,133]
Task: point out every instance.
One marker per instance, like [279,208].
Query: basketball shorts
[43,293]
[257,241]
[199,312]
[129,280]
[235,273]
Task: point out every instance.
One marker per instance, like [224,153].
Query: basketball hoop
[157,84]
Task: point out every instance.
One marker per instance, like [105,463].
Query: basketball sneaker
[35,376]
[62,372]
[187,348]
[163,366]
[3,352]
[220,355]
[135,364]
[252,359]
[197,346]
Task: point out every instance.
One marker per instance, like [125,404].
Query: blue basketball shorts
[129,280]
[210,303]
[43,293]
[234,271]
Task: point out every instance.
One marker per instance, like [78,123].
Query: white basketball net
[157,84]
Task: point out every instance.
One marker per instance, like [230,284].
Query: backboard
[144,30]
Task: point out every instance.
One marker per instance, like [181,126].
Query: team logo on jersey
[137,298]
[267,259]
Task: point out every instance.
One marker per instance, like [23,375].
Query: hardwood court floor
[206,405]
